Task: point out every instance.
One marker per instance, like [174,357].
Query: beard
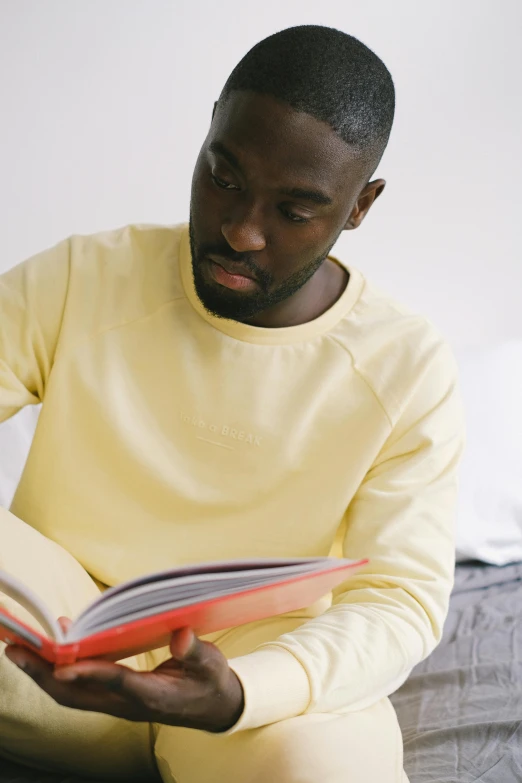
[240,305]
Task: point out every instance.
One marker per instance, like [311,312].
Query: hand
[195,688]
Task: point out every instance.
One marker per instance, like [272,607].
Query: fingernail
[65,674]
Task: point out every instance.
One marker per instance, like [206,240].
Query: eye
[221,183]
[293,217]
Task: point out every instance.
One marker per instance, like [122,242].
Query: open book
[140,615]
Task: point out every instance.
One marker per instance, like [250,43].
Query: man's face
[271,192]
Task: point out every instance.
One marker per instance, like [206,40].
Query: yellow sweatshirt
[168,436]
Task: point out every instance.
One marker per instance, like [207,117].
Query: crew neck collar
[274,336]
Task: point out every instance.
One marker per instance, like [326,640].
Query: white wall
[104,104]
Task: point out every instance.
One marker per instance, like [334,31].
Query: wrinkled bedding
[461,709]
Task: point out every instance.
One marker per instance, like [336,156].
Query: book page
[177,588]
[24,596]
[205,571]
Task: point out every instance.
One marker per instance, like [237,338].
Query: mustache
[245,259]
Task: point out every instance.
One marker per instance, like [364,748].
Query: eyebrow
[219,149]
[309,195]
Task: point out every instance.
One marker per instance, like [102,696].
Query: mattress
[461,709]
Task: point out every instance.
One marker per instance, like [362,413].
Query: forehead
[270,137]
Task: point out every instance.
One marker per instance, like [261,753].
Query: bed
[461,709]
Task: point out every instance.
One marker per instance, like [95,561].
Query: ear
[214,109]
[367,196]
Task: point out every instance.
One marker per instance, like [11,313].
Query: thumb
[184,645]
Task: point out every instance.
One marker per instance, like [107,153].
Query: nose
[243,232]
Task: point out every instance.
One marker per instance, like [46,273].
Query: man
[226,392]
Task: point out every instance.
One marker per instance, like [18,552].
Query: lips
[235,280]
[230,268]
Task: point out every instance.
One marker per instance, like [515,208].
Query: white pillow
[16,435]
[489,515]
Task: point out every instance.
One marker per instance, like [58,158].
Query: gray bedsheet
[461,709]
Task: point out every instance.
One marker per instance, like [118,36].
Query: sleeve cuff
[275,687]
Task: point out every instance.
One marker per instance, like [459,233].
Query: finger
[184,645]
[141,696]
[64,693]
[25,659]
[109,675]
[136,688]
[65,623]
[194,656]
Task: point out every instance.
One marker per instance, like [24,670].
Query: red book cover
[125,637]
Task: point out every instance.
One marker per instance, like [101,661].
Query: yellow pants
[351,747]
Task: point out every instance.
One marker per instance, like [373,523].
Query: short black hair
[328,74]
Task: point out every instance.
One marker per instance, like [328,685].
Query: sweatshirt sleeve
[32,302]
[389,616]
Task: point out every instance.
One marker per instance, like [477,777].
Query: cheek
[297,255]
[297,247]
[286,265]
[206,201]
